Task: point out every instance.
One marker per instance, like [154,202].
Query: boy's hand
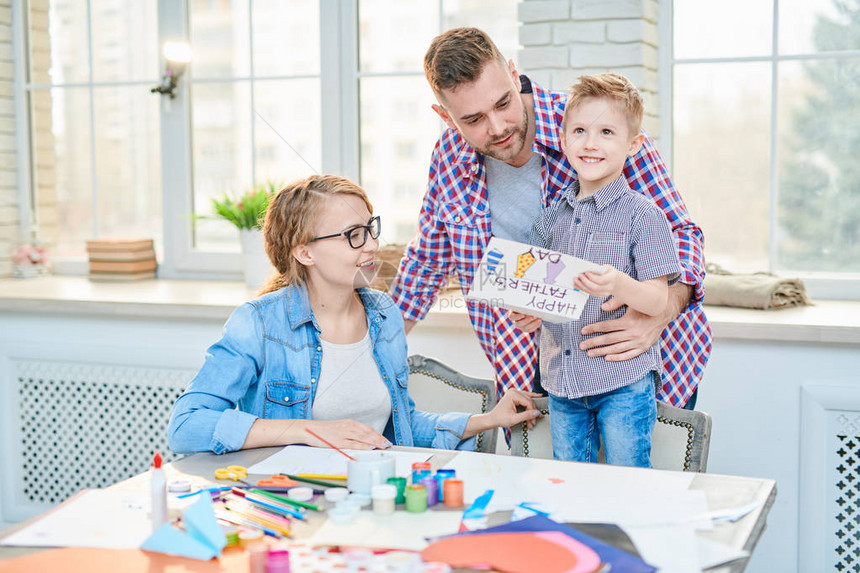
[598,284]
[525,322]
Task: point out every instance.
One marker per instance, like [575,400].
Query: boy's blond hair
[612,86]
[458,56]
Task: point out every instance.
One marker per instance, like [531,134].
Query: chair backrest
[438,388]
[535,442]
[680,440]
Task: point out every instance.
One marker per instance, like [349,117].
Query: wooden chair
[438,388]
[680,440]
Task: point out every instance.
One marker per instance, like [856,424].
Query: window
[764,127]
[396,121]
[94,129]
[275,91]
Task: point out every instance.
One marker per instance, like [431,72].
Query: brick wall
[564,39]
[8,156]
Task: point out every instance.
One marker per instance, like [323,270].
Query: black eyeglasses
[357,236]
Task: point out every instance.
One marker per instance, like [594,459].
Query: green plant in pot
[247,213]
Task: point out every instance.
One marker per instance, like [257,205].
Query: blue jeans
[624,418]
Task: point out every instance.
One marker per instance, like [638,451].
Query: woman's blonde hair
[290,222]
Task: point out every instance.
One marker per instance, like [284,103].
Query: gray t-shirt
[514,196]
[350,386]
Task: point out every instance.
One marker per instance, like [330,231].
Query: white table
[721,491]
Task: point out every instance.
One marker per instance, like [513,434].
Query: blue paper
[478,507]
[202,539]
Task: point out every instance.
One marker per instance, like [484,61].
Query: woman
[319,349]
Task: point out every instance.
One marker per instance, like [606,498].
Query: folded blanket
[755,290]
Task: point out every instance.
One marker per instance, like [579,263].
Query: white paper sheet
[672,549]
[400,530]
[310,460]
[713,553]
[584,492]
[106,518]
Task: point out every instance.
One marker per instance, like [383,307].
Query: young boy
[600,219]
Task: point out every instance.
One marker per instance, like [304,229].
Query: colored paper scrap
[477,508]
[202,539]
[523,552]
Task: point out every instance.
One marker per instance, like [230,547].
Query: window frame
[819,285]
[340,130]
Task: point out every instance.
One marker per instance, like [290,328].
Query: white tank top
[350,386]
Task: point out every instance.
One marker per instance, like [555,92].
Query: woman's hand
[506,413]
[341,433]
[346,434]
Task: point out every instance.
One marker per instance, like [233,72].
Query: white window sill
[827,321]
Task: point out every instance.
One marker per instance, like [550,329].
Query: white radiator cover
[88,425]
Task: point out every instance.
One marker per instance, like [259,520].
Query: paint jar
[257,554]
[441,476]
[383,496]
[362,499]
[420,470]
[300,493]
[453,493]
[334,495]
[179,486]
[416,499]
[402,562]
[359,560]
[432,490]
[400,484]
[231,532]
[249,537]
[278,560]
[343,514]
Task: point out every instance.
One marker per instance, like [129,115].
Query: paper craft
[531,280]
[202,539]
[524,552]
[310,460]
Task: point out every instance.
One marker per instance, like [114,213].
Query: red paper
[532,552]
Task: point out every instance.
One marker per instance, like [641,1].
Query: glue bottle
[159,493]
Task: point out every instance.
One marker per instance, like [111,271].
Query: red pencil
[329,444]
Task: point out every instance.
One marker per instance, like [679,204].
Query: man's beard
[518,141]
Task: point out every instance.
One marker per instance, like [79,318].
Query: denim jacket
[267,365]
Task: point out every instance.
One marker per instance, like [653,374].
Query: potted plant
[247,213]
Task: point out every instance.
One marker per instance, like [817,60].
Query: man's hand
[634,333]
[598,284]
[525,322]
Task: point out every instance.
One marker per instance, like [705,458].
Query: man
[491,173]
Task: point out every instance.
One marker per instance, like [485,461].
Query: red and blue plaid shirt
[454,228]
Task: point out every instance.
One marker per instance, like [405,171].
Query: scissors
[235,473]
[277,481]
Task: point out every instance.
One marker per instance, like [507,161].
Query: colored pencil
[283,499]
[323,476]
[271,504]
[329,444]
[226,516]
[313,481]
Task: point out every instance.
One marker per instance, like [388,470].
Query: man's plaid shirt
[454,228]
